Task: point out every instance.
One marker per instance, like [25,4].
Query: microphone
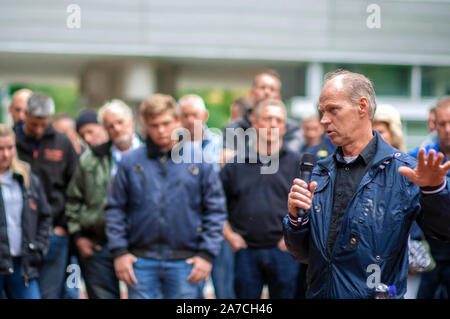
[306,168]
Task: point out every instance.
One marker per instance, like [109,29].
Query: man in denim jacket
[362,200]
[165,212]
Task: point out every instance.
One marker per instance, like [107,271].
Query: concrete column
[416,83]
[314,75]
[127,79]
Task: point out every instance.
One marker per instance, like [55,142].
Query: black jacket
[36,222]
[257,202]
[53,159]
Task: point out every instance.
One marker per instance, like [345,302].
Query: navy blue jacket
[372,244]
[164,210]
[257,202]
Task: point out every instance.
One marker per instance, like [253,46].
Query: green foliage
[66,97]
[217,102]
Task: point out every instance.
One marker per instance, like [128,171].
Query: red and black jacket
[53,160]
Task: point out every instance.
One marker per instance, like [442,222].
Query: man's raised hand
[429,171]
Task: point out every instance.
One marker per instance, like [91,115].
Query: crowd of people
[170,206]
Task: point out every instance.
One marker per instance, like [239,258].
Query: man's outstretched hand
[429,171]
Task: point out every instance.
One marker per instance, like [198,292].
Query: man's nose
[324,120]
[117,127]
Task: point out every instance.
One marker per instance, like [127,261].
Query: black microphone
[306,168]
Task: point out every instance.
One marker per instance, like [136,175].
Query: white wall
[412,32]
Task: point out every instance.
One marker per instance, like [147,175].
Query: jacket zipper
[333,252]
[6,222]
[163,161]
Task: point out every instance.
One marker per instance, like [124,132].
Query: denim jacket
[372,244]
[158,208]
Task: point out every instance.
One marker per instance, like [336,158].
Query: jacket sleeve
[44,223]
[214,213]
[434,218]
[71,161]
[225,178]
[297,240]
[75,202]
[116,215]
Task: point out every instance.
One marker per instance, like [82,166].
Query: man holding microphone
[351,223]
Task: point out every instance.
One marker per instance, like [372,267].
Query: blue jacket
[372,244]
[164,210]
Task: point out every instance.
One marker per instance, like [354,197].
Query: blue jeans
[53,269]
[14,285]
[68,292]
[222,273]
[99,275]
[159,279]
[255,267]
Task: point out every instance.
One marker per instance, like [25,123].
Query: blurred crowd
[101,206]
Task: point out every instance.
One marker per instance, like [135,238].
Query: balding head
[356,86]
[192,100]
[345,108]
[18,105]
[193,115]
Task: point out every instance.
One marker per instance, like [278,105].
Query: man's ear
[205,116]
[363,106]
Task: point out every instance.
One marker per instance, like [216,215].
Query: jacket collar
[102,149]
[153,150]
[384,151]
[49,132]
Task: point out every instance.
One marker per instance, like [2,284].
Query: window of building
[435,81]
[388,80]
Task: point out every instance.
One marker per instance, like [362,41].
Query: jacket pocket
[382,218]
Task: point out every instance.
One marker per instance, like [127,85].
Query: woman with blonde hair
[388,123]
[25,221]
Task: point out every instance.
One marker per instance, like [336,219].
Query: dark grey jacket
[36,226]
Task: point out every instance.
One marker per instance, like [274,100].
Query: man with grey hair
[352,221]
[18,105]
[53,159]
[259,199]
[193,117]
[86,198]
[118,120]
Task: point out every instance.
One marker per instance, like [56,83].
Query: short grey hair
[272,102]
[40,105]
[443,102]
[357,86]
[192,100]
[117,106]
